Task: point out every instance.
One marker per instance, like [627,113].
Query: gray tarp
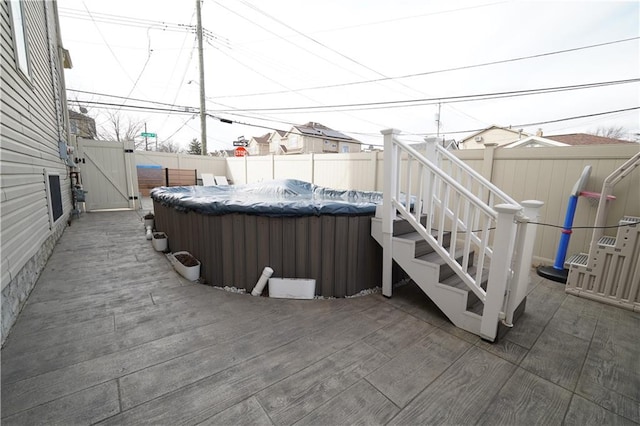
[287,197]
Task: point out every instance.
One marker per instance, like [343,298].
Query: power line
[403,18]
[184,123]
[454,132]
[442,99]
[576,117]
[106,42]
[285,39]
[323,45]
[107,18]
[444,70]
[128,21]
[187,109]
[392,104]
[228,121]
[308,37]
[144,67]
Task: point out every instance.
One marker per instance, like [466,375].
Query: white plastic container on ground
[160,241]
[292,288]
[191,273]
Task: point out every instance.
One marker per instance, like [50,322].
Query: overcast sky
[260,55]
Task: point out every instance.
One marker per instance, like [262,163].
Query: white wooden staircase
[465,243]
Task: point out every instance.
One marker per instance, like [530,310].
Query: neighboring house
[275,140]
[316,138]
[492,135]
[35,188]
[510,138]
[586,139]
[449,144]
[259,145]
[82,125]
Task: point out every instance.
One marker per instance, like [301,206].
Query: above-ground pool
[298,229]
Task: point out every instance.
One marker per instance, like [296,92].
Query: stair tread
[630,219]
[607,241]
[416,236]
[577,259]
[432,257]
[456,281]
[435,258]
[402,227]
[412,236]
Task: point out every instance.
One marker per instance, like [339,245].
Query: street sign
[148,135]
[240,143]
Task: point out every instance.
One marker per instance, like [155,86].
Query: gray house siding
[33,120]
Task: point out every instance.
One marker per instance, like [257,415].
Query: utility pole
[438,121]
[203,111]
[146,144]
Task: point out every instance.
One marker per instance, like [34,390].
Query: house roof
[78,116]
[533,142]
[262,139]
[280,133]
[322,131]
[585,139]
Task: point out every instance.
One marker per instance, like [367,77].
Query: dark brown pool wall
[337,251]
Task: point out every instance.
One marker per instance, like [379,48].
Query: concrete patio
[112,335]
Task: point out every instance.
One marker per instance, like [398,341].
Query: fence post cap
[390,132]
[507,208]
[532,203]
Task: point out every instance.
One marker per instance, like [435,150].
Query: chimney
[519,134]
[539,132]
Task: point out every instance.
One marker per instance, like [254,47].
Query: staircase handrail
[505,198]
[607,188]
[417,156]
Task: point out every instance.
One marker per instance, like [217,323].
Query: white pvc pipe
[266,274]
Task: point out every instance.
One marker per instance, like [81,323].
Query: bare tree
[121,128]
[169,146]
[614,132]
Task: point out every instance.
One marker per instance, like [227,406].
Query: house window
[54,196]
[20,36]
[345,148]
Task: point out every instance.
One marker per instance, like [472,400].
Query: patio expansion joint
[119,395]
[501,387]
[417,395]
[588,397]
[61,397]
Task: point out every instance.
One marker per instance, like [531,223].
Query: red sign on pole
[241,151]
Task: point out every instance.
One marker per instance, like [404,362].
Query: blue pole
[566,233]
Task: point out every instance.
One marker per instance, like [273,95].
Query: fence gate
[108,173]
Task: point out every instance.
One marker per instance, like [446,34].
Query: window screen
[20,36]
